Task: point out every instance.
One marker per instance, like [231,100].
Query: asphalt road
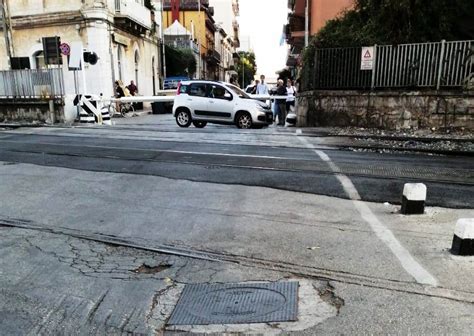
[268,158]
[84,209]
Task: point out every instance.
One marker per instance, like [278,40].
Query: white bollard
[463,241]
[414,197]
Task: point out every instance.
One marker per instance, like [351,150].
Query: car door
[220,103]
[197,99]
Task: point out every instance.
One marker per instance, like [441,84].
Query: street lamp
[243,71]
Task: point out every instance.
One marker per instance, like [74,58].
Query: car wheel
[199,124]
[183,118]
[244,120]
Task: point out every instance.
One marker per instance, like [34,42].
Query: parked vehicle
[171,83]
[199,102]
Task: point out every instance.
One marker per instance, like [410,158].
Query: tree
[180,62]
[399,21]
[248,66]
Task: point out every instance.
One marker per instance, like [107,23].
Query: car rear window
[198,89]
[183,88]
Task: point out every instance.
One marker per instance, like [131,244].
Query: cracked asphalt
[101,229]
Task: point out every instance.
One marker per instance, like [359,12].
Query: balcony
[132,17]
[186,5]
[213,57]
[183,44]
[296,22]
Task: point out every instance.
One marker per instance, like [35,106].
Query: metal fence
[32,83]
[423,65]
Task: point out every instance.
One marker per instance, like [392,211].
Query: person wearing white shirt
[262,88]
[291,92]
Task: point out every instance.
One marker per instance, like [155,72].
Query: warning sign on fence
[367,58]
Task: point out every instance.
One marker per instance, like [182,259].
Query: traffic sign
[367,58]
[65,49]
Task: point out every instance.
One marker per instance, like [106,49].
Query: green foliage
[247,64]
[399,21]
[180,62]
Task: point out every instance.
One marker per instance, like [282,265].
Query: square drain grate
[236,303]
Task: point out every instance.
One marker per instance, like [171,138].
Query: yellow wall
[185,18]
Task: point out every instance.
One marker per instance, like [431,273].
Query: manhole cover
[236,303]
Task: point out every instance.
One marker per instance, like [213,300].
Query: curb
[2,125]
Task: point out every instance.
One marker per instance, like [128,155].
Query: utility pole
[198,40]
[163,48]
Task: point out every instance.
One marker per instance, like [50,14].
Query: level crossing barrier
[94,107]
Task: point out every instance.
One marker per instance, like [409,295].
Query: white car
[199,102]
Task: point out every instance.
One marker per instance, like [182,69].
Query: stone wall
[388,110]
[29,111]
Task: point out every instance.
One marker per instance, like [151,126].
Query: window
[198,90]
[219,92]
[137,59]
[183,89]
[39,60]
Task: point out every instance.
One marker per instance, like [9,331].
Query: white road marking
[408,262]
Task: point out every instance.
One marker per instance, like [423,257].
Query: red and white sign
[367,58]
[65,49]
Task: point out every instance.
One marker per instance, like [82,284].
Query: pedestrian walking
[291,92]
[281,102]
[262,87]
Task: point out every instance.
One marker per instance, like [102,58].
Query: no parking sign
[65,49]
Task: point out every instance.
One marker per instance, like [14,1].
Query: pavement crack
[327,295]
[155,300]
[96,306]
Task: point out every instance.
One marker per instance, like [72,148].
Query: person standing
[119,93]
[132,88]
[254,89]
[291,92]
[262,88]
[281,102]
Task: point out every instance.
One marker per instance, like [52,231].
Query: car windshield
[238,91]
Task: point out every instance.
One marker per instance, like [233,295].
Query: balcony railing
[187,4]
[184,44]
[132,16]
[213,56]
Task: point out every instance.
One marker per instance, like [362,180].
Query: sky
[261,24]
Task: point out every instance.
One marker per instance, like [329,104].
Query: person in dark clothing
[132,88]
[281,102]
[119,93]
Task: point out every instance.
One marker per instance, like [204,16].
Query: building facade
[216,44]
[319,13]
[123,33]
[196,17]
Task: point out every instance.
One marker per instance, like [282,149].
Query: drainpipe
[306,24]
